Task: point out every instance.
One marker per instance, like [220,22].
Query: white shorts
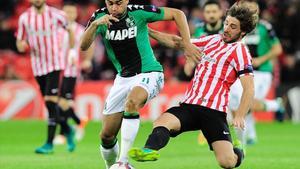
[262,84]
[152,82]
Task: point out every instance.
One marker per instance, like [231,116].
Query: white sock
[250,129]
[272,105]
[109,155]
[129,130]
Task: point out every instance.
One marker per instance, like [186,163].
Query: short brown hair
[248,18]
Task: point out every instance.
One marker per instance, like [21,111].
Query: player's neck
[40,10]
[123,15]
[214,27]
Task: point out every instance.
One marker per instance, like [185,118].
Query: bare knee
[227,161]
[107,137]
[131,105]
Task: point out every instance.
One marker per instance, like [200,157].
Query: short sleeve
[243,61]
[97,14]
[61,18]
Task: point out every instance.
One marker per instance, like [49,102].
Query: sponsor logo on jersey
[208,59]
[121,34]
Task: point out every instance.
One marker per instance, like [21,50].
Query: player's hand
[105,20]
[192,52]
[238,122]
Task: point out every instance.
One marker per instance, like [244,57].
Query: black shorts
[68,87]
[49,83]
[213,123]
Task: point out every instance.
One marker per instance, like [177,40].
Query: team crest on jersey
[130,22]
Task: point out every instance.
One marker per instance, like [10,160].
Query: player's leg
[109,147]
[67,92]
[50,87]
[115,102]
[226,155]
[170,124]
[144,87]
[158,139]
[217,132]
[63,106]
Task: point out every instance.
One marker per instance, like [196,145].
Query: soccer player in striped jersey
[73,66]
[224,59]
[38,32]
[140,77]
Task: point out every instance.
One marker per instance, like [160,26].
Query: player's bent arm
[90,33]
[274,52]
[168,40]
[88,36]
[246,100]
[22,45]
[179,17]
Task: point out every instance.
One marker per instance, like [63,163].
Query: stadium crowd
[283,15]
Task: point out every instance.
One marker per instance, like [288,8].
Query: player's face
[232,30]
[116,7]
[212,13]
[71,12]
[37,3]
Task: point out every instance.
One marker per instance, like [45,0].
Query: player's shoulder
[146,8]
[100,12]
[267,25]
[200,25]
[206,38]
[26,12]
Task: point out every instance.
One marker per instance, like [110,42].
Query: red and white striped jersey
[40,30]
[221,64]
[78,30]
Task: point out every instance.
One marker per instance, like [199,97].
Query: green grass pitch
[278,148]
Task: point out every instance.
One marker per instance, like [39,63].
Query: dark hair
[212,2]
[248,19]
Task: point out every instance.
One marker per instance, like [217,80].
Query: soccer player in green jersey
[213,24]
[124,31]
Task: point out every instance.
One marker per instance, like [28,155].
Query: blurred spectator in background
[38,34]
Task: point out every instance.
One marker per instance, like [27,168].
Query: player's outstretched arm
[190,50]
[274,52]
[246,101]
[168,40]
[90,33]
